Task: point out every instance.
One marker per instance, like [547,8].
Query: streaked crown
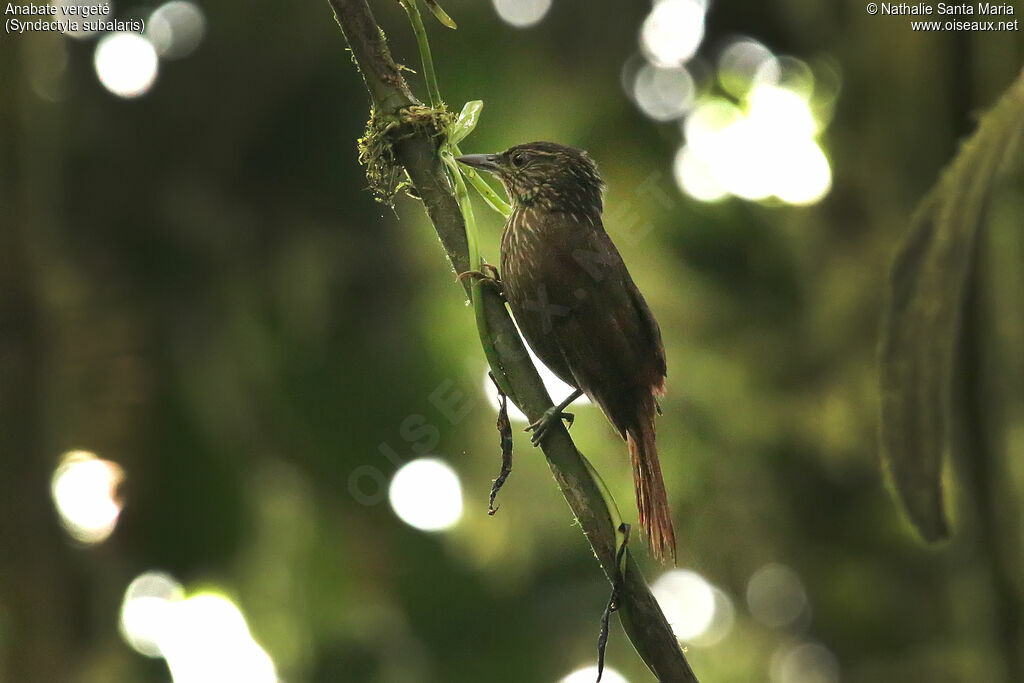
[547,176]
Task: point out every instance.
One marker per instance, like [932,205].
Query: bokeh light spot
[46,66]
[696,178]
[767,149]
[673,31]
[721,623]
[84,490]
[707,122]
[126,64]
[781,111]
[426,494]
[743,61]
[81,33]
[522,13]
[664,94]
[787,72]
[806,176]
[804,662]
[206,640]
[776,595]
[688,601]
[743,160]
[589,675]
[145,608]
[176,28]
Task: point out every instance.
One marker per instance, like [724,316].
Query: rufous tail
[651,498]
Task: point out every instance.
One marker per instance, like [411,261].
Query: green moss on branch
[384,174]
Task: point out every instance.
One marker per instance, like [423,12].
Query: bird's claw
[488,275]
[541,426]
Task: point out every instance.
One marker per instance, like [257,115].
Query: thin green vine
[429,75]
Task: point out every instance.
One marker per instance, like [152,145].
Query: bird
[579,309]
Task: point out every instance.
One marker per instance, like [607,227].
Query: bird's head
[545,175]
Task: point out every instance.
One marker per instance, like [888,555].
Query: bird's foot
[487,275]
[546,421]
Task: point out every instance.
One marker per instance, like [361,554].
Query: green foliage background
[195,285]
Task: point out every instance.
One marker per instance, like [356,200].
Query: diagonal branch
[416,149]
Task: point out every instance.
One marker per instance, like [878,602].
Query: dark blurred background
[245,431]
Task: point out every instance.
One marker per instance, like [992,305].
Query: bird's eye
[518,159]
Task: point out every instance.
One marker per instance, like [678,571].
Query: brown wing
[587,318]
[580,311]
[653,336]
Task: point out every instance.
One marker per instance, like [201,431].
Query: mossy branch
[415,148]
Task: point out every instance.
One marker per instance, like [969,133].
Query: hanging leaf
[441,15]
[924,314]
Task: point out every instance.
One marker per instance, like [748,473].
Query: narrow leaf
[441,15]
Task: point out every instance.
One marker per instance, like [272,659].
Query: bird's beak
[486,162]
